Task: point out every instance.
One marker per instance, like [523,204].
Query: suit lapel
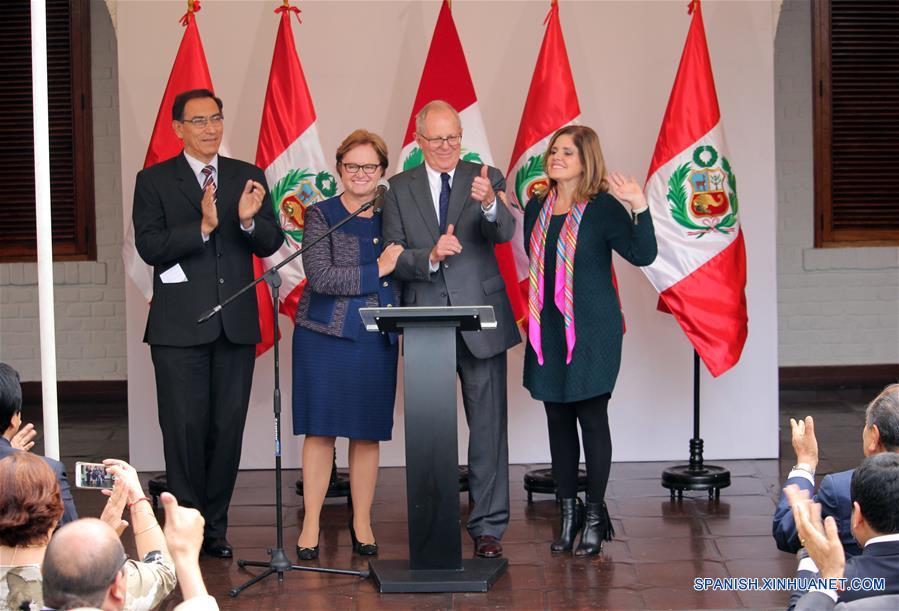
[421,192]
[460,193]
[187,182]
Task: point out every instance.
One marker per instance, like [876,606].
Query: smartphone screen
[92,475]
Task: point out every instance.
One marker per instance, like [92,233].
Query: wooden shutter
[856,70]
[71,156]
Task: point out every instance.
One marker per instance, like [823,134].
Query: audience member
[98,578]
[21,438]
[874,492]
[30,508]
[880,434]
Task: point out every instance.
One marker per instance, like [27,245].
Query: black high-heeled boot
[572,522]
[597,528]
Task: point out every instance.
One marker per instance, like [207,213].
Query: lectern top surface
[467,318]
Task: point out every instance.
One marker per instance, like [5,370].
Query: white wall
[89,295]
[836,306]
[363,61]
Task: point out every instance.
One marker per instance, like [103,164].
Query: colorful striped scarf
[563,295]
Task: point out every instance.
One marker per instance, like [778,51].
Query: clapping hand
[804,441]
[820,538]
[627,190]
[446,246]
[250,202]
[210,212]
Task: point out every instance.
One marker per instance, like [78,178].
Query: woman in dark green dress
[575,326]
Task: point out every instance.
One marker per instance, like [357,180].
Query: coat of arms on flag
[703,194]
[295,192]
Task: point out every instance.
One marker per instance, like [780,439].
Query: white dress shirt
[436,184]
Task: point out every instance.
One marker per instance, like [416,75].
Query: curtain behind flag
[446,77]
[290,153]
[700,271]
[189,71]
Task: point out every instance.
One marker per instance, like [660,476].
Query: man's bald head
[82,561]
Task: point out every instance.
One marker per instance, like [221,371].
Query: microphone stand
[279,562]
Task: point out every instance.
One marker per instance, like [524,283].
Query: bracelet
[148,528]
[143,498]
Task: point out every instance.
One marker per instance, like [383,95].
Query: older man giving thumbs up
[446,215]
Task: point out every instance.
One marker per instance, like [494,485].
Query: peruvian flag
[551,104]
[700,271]
[188,72]
[446,77]
[291,154]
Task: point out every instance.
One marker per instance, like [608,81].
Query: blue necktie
[444,200]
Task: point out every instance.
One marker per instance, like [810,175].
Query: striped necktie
[209,178]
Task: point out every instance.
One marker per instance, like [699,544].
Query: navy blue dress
[344,377]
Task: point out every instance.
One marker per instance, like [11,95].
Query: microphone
[377,202]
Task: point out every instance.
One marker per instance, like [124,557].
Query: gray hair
[884,412]
[434,105]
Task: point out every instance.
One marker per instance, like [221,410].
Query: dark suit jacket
[876,560]
[833,494]
[167,217]
[59,469]
[470,278]
[818,601]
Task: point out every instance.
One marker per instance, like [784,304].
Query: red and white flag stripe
[700,271]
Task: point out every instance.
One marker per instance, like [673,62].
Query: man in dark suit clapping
[875,524]
[198,219]
[447,216]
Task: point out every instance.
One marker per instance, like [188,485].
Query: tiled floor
[660,545]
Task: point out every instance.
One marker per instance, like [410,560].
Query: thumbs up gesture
[482,189]
[447,246]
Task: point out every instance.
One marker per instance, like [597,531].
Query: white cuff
[205,236]
[251,227]
[490,212]
[803,474]
[433,267]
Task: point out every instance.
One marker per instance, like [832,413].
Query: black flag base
[696,475]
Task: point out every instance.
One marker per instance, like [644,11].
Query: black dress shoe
[307,553]
[488,546]
[363,549]
[217,547]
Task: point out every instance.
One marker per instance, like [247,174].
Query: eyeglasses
[120,569]
[368,168]
[202,122]
[435,142]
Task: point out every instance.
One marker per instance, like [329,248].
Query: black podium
[432,471]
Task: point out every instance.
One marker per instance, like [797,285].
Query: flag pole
[695,475]
[44,226]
